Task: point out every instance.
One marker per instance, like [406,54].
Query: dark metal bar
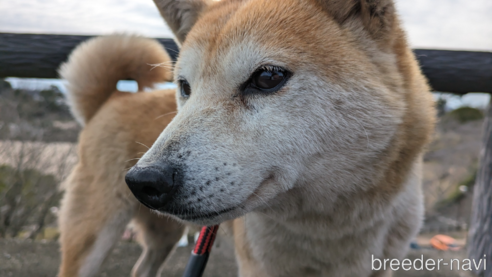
[39,56]
[457,71]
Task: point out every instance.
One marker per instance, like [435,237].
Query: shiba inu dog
[97,204]
[300,123]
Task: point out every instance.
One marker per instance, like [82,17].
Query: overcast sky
[440,24]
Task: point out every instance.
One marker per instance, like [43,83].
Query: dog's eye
[267,79]
[185,88]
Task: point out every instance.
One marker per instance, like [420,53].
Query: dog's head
[273,95]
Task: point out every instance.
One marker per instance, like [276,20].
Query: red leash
[199,255]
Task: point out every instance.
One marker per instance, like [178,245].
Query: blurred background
[38,135]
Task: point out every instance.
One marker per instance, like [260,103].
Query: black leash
[199,255]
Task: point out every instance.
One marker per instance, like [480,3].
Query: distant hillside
[38,115]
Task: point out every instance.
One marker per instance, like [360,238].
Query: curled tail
[95,67]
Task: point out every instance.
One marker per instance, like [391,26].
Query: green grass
[466,114]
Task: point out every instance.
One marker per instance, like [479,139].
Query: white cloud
[82,17]
[442,24]
[448,24]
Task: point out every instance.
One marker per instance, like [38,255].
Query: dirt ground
[23,258]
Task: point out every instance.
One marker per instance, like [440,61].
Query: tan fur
[118,128]
[316,177]
[326,171]
[93,70]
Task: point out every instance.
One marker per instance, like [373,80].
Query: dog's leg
[90,225]
[158,235]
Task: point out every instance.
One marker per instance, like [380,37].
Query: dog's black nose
[152,186]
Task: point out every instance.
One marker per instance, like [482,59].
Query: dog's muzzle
[153,186]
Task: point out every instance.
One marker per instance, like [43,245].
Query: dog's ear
[378,17]
[180,15]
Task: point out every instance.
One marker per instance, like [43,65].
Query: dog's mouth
[195,215]
[191,215]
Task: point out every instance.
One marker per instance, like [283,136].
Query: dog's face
[273,95]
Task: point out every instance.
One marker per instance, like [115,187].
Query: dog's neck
[321,208]
[327,228]
[331,216]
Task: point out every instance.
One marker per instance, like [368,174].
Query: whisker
[163,65]
[171,50]
[142,144]
[165,114]
[132,160]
